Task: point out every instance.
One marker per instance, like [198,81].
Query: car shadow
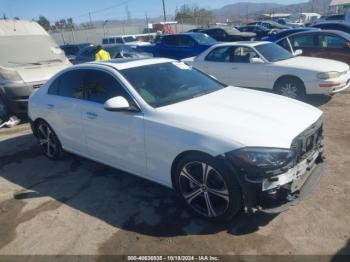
[318,100]
[343,255]
[113,196]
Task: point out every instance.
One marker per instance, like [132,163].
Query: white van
[28,58]
[130,40]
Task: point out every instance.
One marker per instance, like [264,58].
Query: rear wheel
[207,188]
[290,87]
[48,140]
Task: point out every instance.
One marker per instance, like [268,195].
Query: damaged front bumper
[277,193]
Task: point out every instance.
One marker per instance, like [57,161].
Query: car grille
[308,141]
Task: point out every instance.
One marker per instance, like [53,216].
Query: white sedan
[220,147]
[268,66]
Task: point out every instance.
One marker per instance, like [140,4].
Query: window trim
[58,78]
[132,98]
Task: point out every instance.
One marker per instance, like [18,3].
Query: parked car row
[186,125]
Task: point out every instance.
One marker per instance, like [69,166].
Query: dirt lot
[76,206]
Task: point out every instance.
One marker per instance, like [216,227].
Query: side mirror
[256,60]
[298,52]
[119,103]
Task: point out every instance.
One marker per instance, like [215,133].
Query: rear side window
[219,54]
[69,84]
[119,40]
[101,86]
[303,41]
[105,41]
[111,41]
[186,41]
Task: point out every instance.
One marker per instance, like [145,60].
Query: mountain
[242,9]
[312,6]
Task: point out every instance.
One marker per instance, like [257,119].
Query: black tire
[48,141]
[219,181]
[291,87]
[4,112]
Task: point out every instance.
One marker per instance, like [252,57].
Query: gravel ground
[76,206]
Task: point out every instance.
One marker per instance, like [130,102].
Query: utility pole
[90,19]
[164,11]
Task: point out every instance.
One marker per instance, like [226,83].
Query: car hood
[314,64]
[40,73]
[243,117]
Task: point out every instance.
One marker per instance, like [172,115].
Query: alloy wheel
[204,189]
[289,90]
[47,140]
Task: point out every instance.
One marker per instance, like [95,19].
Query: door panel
[62,108]
[114,138]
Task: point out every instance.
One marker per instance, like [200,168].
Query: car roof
[126,63]
[245,43]
[332,23]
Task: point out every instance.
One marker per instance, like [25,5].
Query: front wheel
[48,141]
[290,87]
[207,188]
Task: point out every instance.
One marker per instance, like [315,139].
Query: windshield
[129,39]
[203,39]
[115,50]
[232,31]
[26,50]
[273,52]
[169,83]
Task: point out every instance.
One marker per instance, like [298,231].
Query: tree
[193,15]
[44,22]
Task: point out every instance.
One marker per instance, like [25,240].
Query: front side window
[330,41]
[101,86]
[185,41]
[69,84]
[88,53]
[171,40]
[284,43]
[242,54]
[168,83]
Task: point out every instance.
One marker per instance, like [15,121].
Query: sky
[106,9]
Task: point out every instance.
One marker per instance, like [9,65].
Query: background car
[328,44]
[228,34]
[274,37]
[71,50]
[116,51]
[179,46]
[217,146]
[259,30]
[28,58]
[268,66]
[270,25]
[344,27]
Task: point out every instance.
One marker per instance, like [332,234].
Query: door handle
[234,68]
[91,115]
[50,106]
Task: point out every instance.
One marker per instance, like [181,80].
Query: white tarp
[340,2]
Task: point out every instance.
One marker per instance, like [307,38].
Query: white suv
[220,147]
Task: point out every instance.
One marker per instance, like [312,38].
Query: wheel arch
[36,123]
[178,159]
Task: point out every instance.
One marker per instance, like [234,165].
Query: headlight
[258,161]
[9,75]
[328,75]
